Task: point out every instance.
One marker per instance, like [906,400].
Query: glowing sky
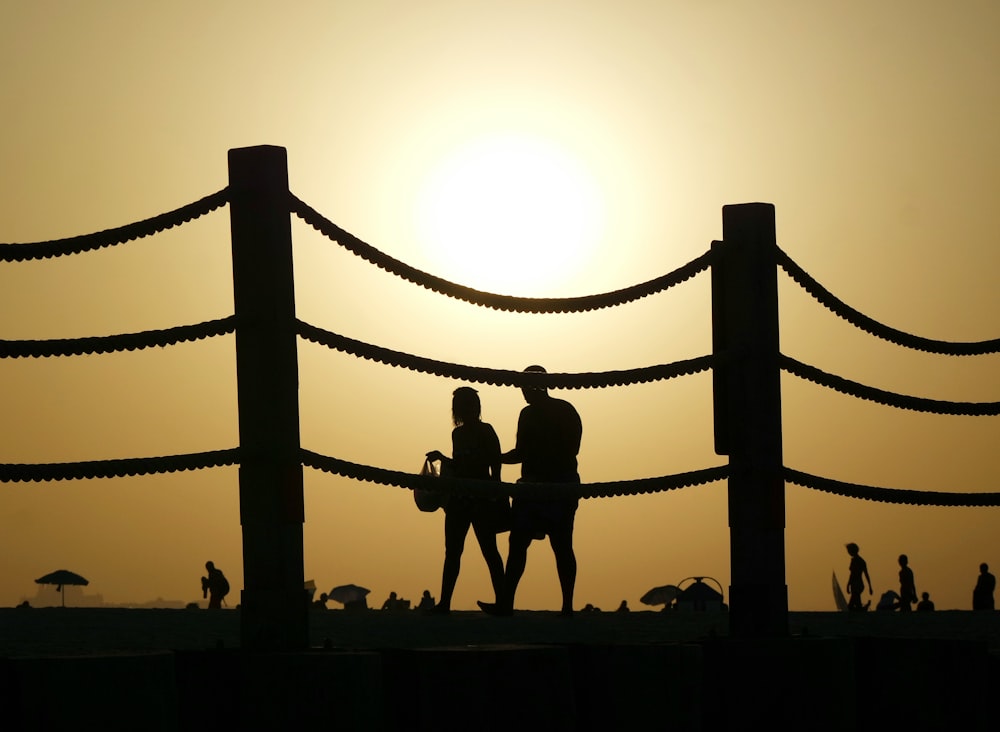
[871,127]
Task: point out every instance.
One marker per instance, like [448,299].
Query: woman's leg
[487,539]
[456,527]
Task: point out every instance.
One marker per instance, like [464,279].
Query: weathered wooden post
[274,610]
[748,417]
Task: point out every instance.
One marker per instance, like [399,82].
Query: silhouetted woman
[982,595]
[475,450]
[858,573]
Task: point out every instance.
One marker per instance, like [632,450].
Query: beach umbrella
[347,593]
[60,578]
[663,595]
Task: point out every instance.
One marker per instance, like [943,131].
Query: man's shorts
[536,518]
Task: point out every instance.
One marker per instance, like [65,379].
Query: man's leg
[561,541]
[517,559]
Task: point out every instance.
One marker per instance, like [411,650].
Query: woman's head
[465,407]
[852,549]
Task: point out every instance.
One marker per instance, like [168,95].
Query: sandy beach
[80,631]
[184,670]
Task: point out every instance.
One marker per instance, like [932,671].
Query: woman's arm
[435,455]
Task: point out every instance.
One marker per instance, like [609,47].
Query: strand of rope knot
[890,495]
[112,237]
[492,489]
[501,377]
[508,303]
[880,396]
[112,343]
[885,332]
[25,472]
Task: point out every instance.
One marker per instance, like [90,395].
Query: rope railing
[872,326]
[17,472]
[888,398]
[113,343]
[508,303]
[890,495]
[485,488]
[112,237]
[502,377]
[39,472]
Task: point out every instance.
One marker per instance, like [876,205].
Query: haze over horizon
[535,149]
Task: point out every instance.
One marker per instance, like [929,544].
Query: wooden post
[748,417]
[273,605]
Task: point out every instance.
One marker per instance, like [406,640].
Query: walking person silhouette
[907,585]
[857,574]
[982,594]
[475,450]
[549,431]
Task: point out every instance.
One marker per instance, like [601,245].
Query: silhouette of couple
[548,440]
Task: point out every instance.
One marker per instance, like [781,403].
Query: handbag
[427,500]
[500,516]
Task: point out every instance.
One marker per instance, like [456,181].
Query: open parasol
[60,578]
[662,595]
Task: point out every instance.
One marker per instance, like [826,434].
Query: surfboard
[838,595]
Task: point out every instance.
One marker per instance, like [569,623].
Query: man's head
[533,394]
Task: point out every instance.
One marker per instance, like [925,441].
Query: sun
[510,213]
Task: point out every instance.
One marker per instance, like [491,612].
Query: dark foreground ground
[77,668]
[80,631]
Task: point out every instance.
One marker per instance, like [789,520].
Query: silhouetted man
[548,440]
[215,586]
[907,585]
[982,595]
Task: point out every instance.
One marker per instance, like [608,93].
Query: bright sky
[543,149]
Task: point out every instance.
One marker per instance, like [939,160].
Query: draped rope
[109,344]
[885,332]
[501,377]
[491,300]
[900,401]
[111,237]
[24,472]
[890,495]
[486,488]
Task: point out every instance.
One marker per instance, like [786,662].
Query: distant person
[320,604]
[426,601]
[888,602]
[215,586]
[391,602]
[549,431]
[925,604]
[475,450]
[857,574]
[623,608]
[590,608]
[982,595]
[907,586]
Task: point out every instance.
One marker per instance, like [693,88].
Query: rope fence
[112,237]
[508,303]
[114,343]
[502,377]
[494,489]
[877,329]
[11,472]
